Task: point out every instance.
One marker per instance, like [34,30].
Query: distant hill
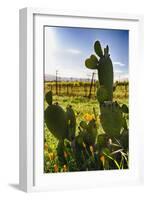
[49,77]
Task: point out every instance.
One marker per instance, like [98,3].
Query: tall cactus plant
[111,114]
[102,62]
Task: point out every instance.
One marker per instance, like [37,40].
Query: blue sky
[67,48]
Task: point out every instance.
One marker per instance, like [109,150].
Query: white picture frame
[31,174]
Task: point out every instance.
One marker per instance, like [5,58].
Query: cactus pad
[55,118]
[111,118]
[71,123]
[102,94]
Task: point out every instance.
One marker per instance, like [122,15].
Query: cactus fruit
[111,118]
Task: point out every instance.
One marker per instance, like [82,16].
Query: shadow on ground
[15,186]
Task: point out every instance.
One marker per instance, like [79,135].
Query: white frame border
[27,91]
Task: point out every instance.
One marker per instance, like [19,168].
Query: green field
[81,106]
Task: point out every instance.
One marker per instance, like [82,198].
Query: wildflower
[84,145]
[55,168]
[64,168]
[88,117]
[102,159]
[65,154]
[91,149]
[46,147]
[51,156]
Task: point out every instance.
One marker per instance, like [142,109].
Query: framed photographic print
[79,99]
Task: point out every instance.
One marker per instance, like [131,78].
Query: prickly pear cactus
[55,118]
[104,66]
[60,123]
[111,114]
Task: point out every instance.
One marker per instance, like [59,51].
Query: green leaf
[98,49]
[111,158]
[125,108]
[49,97]
[106,151]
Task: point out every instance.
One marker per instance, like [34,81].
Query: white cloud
[74,51]
[82,72]
[119,63]
[121,77]
[118,71]
[51,47]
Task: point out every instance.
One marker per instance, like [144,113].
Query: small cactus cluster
[62,124]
